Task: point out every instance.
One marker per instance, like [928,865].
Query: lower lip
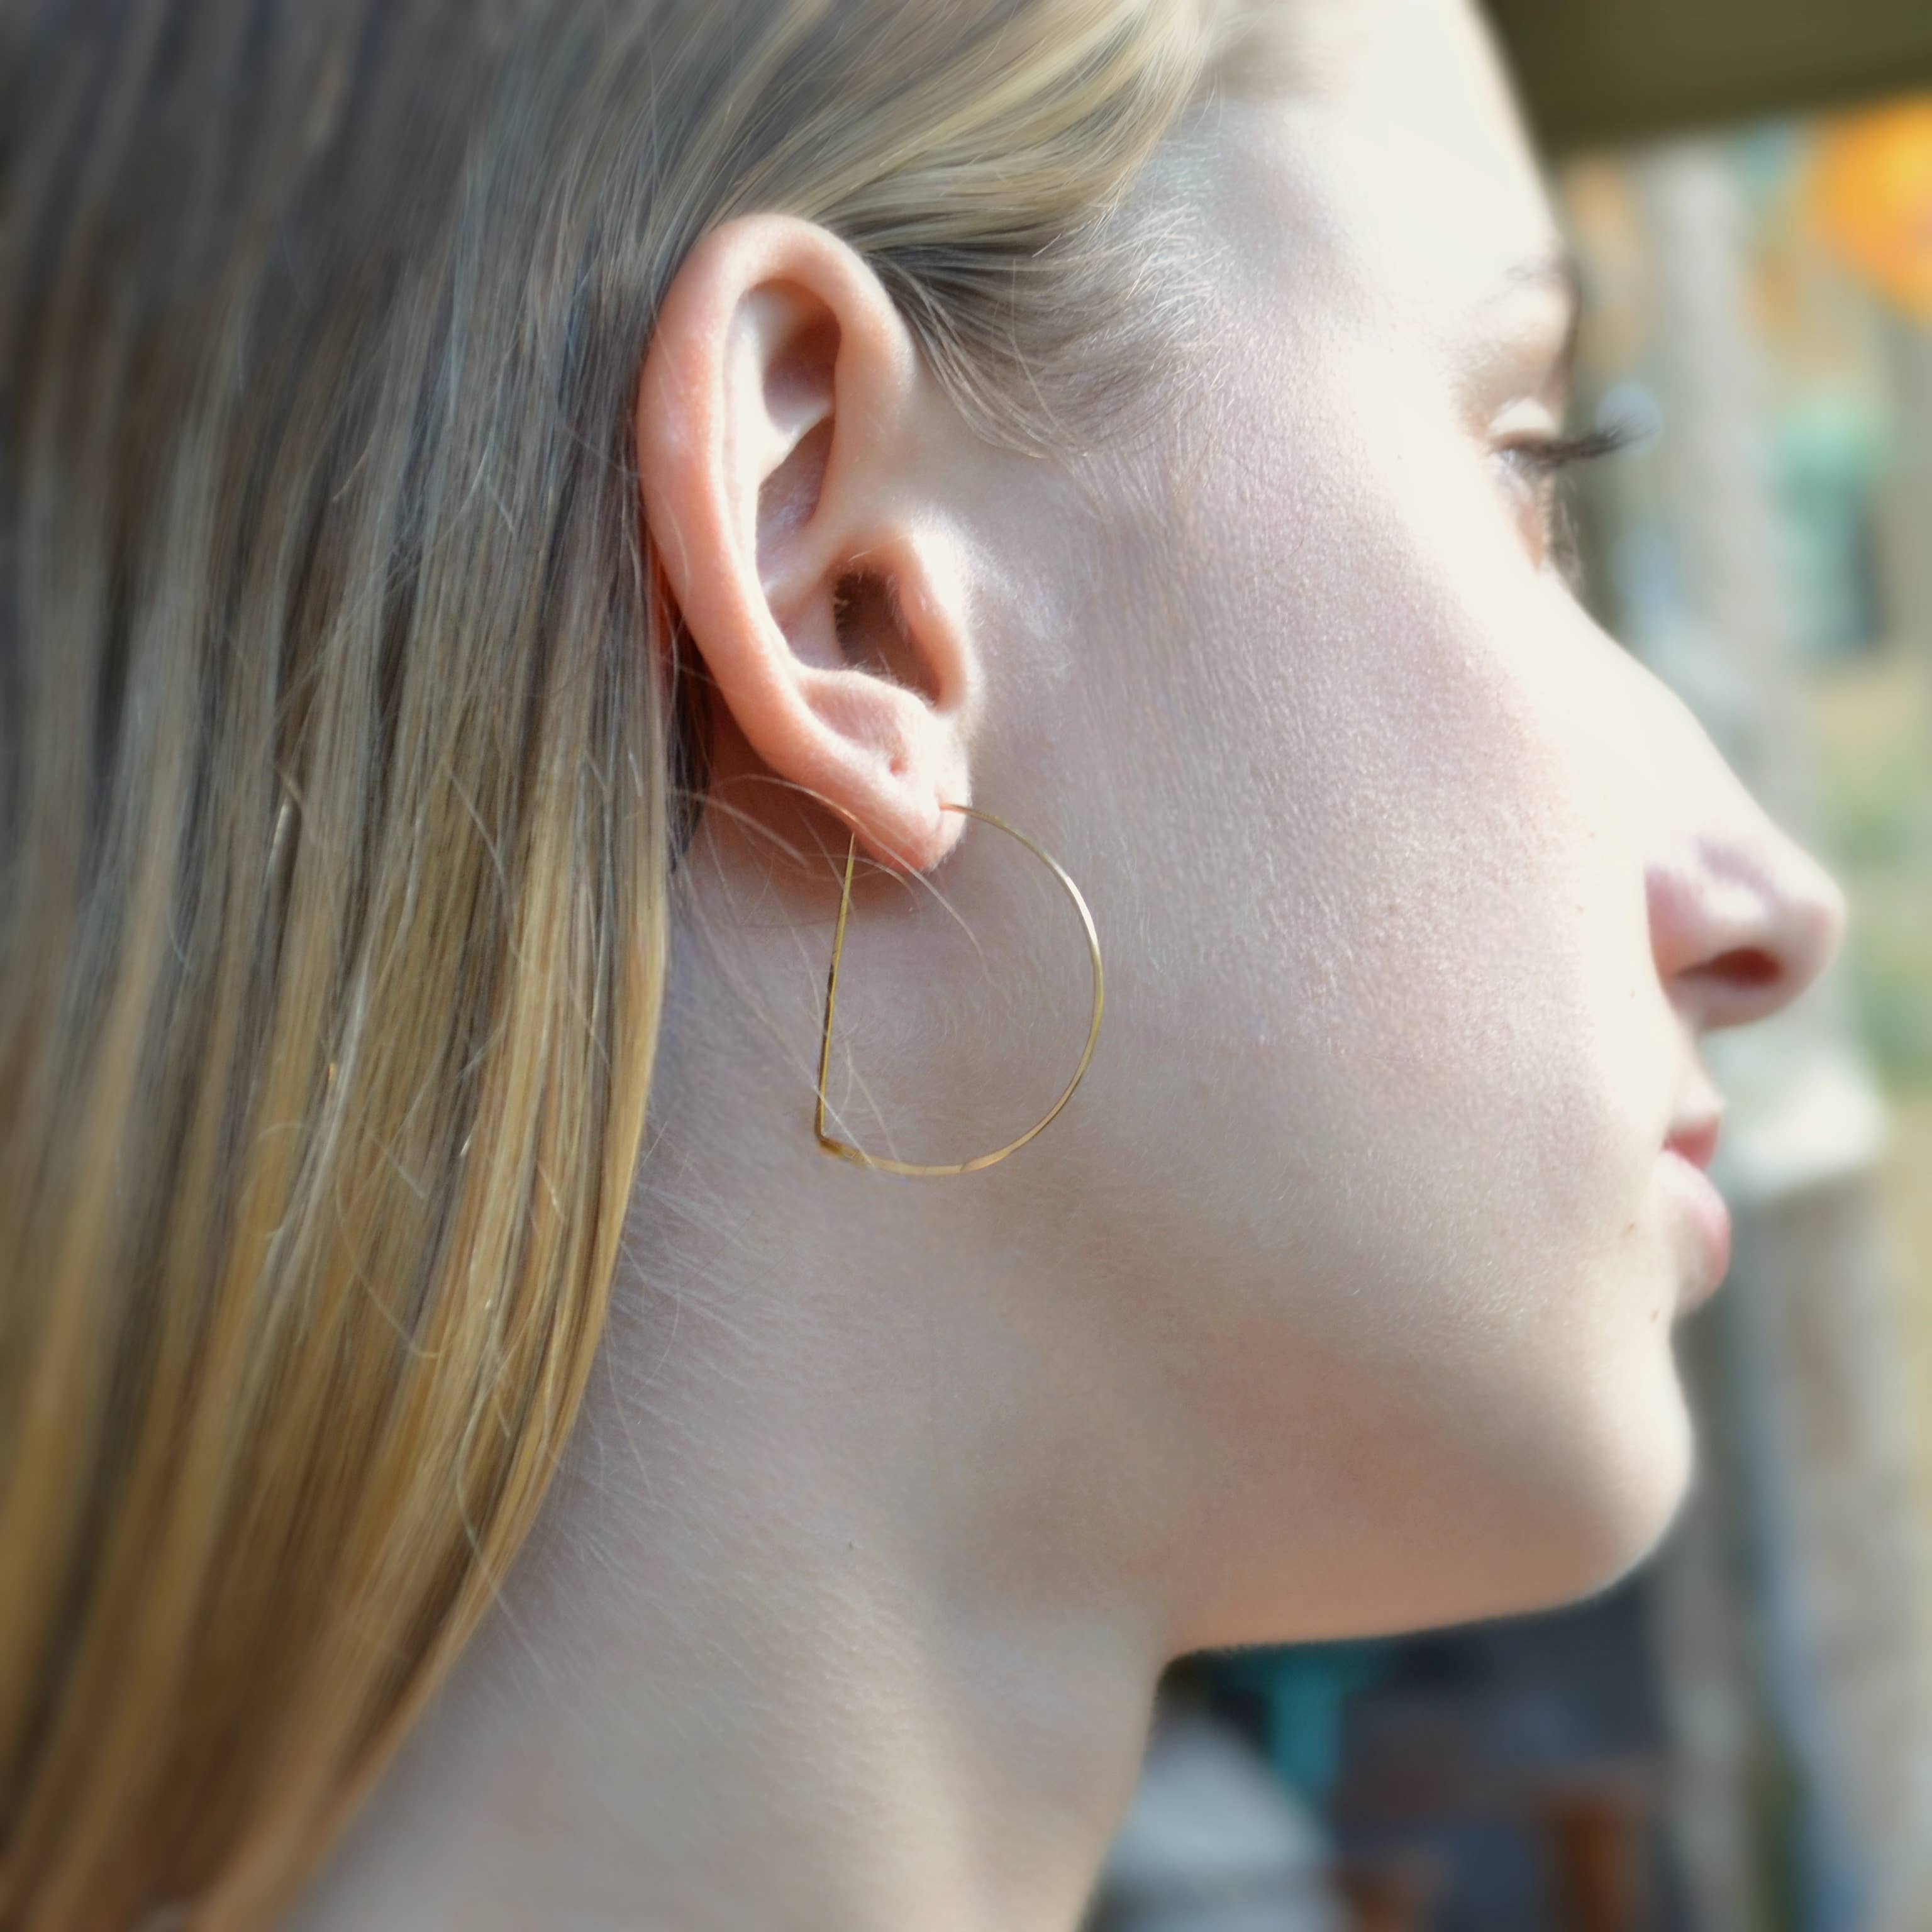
[1704,1208]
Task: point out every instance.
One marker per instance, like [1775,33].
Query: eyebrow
[1558,269]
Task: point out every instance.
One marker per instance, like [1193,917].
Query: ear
[790,446]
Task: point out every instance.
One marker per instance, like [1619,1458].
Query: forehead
[1382,137]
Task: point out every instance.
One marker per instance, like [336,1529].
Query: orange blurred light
[1871,196]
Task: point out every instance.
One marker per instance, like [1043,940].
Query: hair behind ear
[336,809]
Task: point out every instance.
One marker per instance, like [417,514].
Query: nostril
[1743,920]
[1744,966]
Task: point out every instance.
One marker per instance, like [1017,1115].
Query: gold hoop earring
[844,1150]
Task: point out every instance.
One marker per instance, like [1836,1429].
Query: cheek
[1396,1026]
[1413,912]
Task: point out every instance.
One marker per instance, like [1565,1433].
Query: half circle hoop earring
[829,1143]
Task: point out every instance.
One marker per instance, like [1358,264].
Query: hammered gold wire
[844,1150]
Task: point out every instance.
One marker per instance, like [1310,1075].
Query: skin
[1340,1298]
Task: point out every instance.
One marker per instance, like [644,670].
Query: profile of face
[1341,1297]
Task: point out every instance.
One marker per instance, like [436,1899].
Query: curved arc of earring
[918,1170]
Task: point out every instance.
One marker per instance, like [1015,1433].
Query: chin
[1517,1501]
[1508,1556]
[1574,1516]
[1630,1482]
[1592,1466]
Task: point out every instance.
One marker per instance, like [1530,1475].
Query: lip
[1685,1156]
[1696,1141]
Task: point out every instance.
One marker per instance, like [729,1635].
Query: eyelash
[1546,458]
[1549,454]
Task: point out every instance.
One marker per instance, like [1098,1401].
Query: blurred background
[1740,1738]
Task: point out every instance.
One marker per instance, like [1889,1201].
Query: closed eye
[1537,465]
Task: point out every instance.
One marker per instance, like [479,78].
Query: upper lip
[1695,1137]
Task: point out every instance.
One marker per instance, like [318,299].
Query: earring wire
[844,1150]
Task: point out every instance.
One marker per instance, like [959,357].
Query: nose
[1740,930]
[1742,918]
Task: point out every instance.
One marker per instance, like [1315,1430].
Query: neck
[805,1638]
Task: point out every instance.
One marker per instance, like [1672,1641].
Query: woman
[501,500]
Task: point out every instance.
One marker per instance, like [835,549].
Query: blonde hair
[340,790]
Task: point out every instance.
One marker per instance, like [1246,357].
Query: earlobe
[784,426]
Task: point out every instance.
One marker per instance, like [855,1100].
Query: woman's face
[1416,890]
